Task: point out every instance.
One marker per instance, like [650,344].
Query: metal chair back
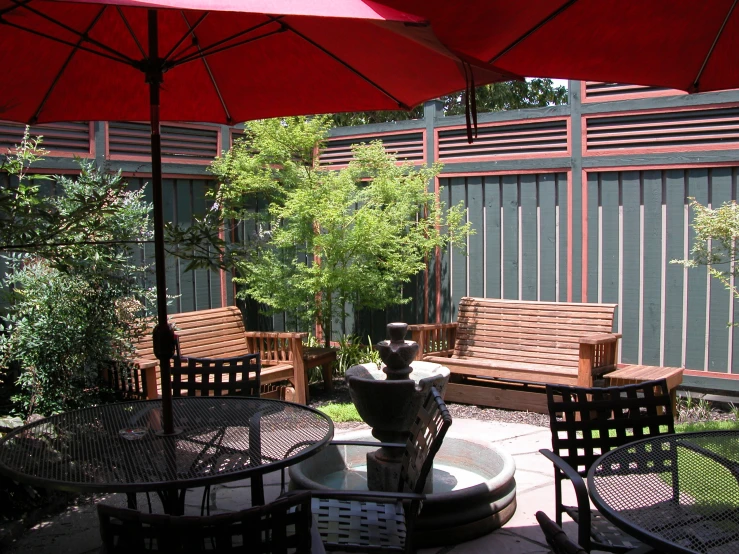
[239,376]
[282,527]
[426,435]
[587,422]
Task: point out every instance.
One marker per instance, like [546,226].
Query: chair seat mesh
[605,533]
[358,525]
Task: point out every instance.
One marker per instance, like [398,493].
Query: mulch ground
[340,393]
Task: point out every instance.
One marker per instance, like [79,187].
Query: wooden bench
[220,333]
[503,352]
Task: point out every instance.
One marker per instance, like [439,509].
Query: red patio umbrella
[222,61]
[682,44]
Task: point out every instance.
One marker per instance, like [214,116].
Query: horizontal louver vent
[132,140]
[547,137]
[700,128]
[615,91]
[58,138]
[407,147]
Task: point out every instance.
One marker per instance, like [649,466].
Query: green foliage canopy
[509,95]
[321,239]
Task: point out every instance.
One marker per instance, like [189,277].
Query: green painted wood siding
[638,221]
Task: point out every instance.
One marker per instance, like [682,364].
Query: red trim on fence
[146,158]
[358,138]
[437,261]
[562,169]
[513,156]
[654,149]
[712,374]
[569,236]
[585,237]
[145,174]
[624,96]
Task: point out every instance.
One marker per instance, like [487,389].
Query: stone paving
[75,531]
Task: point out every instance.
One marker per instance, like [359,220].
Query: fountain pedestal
[388,400]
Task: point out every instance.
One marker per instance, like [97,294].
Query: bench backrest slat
[528,332]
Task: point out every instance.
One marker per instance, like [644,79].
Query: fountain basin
[474,486]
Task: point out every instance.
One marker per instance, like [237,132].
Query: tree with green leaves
[716,245]
[75,292]
[321,239]
[509,95]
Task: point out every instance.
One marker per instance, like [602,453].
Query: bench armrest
[600,338]
[598,353]
[284,348]
[434,339]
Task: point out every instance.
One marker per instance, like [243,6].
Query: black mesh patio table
[676,493]
[118,447]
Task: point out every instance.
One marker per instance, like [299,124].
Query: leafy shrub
[352,352]
[75,291]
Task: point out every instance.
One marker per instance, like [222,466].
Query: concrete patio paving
[75,531]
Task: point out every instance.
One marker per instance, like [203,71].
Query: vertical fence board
[446,275]
[493,205]
[593,210]
[183,212]
[457,259]
[529,238]
[718,345]
[476,251]
[610,197]
[509,225]
[563,237]
[651,255]
[697,279]
[630,266]
[675,198]
[548,237]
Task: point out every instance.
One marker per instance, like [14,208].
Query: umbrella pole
[163,337]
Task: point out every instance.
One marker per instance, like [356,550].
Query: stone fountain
[388,400]
[471,491]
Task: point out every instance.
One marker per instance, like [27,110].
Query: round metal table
[117,447]
[676,493]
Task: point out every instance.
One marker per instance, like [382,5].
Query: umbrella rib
[83,36]
[214,48]
[696,81]
[17,4]
[191,27]
[68,43]
[348,66]
[59,74]
[196,42]
[209,50]
[130,31]
[531,31]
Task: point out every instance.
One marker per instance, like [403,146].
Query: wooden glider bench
[502,353]
[220,333]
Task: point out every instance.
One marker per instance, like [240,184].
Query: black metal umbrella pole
[163,336]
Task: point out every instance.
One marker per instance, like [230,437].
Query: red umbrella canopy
[683,44]
[225,61]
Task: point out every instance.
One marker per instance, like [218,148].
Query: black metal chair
[239,376]
[587,422]
[365,521]
[556,538]
[278,528]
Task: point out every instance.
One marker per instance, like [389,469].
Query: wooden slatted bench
[503,352]
[220,333]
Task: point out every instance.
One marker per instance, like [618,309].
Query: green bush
[352,352]
[75,292]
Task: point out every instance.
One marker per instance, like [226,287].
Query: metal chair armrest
[581,493]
